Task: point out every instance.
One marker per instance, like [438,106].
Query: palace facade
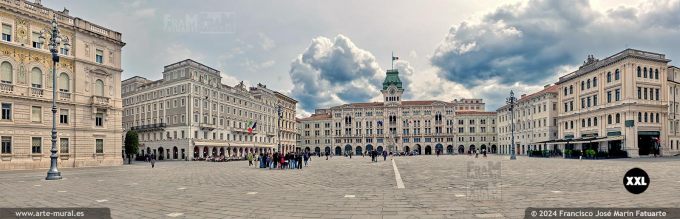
[397,125]
[190,114]
[88,100]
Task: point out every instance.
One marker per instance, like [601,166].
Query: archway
[449,149]
[358,151]
[439,148]
[369,147]
[327,150]
[221,151]
[148,150]
[338,151]
[175,153]
[184,154]
[418,149]
[214,152]
[196,153]
[461,149]
[205,152]
[160,153]
[428,150]
[493,149]
[348,149]
[407,149]
[307,149]
[472,149]
[482,148]
[317,150]
[379,149]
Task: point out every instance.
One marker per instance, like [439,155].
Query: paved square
[435,187]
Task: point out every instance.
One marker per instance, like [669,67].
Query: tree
[131,144]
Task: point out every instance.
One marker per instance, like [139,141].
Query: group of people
[477,152]
[375,154]
[290,160]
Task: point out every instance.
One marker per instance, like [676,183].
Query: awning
[582,140]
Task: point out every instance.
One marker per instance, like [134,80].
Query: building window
[64,82]
[618,118]
[63,116]
[99,57]
[99,88]
[617,74]
[6,145]
[36,78]
[63,145]
[656,74]
[36,145]
[618,94]
[36,114]
[36,40]
[609,119]
[639,71]
[609,77]
[99,119]
[595,82]
[99,146]
[7,32]
[6,73]
[6,111]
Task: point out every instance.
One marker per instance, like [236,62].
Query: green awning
[648,133]
[616,133]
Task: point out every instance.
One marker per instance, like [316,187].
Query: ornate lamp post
[54,42]
[511,101]
[278,132]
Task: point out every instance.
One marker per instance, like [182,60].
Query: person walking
[384,155]
[250,159]
[153,162]
[326,155]
[306,158]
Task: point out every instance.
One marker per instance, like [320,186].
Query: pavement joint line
[397,176]
[62,191]
[350,196]
[492,215]
[181,188]
[251,193]
[460,195]
[102,200]
[556,191]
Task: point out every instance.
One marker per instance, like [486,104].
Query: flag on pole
[395,58]
[251,127]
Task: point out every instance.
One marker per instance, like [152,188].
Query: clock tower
[392,88]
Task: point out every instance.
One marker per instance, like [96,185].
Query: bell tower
[392,88]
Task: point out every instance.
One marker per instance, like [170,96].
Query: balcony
[149,127]
[36,92]
[100,101]
[6,88]
[207,126]
[64,96]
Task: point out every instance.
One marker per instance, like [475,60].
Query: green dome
[392,79]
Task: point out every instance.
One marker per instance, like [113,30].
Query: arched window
[595,82]
[6,73]
[639,71]
[64,82]
[656,74]
[36,78]
[99,88]
[571,89]
[589,122]
[583,122]
[609,77]
[618,118]
[617,74]
[644,72]
[609,119]
[639,117]
[588,84]
[657,117]
[595,121]
[565,91]
[646,118]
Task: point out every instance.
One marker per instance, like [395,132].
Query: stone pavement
[435,187]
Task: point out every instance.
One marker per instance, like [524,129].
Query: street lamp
[511,101]
[54,42]
[278,132]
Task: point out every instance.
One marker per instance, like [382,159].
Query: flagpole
[392,60]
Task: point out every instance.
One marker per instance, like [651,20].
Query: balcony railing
[64,95]
[99,100]
[149,127]
[6,88]
[36,92]
[207,126]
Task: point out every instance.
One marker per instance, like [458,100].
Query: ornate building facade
[397,125]
[535,118]
[190,114]
[88,100]
[618,104]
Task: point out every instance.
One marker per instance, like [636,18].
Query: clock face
[392,91]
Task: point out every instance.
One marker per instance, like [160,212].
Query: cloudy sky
[325,53]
